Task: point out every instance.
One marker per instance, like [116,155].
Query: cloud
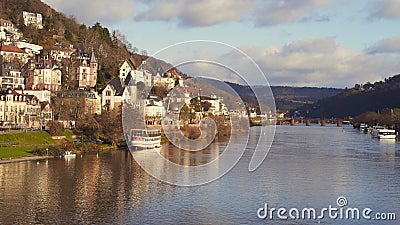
[321,62]
[90,12]
[211,12]
[286,11]
[389,45]
[387,9]
[196,13]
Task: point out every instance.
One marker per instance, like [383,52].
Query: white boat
[363,126]
[69,155]
[142,138]
[383,133]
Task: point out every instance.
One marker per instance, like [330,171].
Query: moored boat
[383,133]
[142,138]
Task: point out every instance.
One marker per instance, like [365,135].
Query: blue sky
[330,43]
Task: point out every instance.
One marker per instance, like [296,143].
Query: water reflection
[306,167]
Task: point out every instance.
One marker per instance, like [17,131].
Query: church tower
[92,79]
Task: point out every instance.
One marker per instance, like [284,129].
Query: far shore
[22,159]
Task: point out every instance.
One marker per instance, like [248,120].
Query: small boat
[363,126]
[383,133]
[69,155]
[142,138]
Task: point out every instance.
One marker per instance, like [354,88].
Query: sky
[322,43]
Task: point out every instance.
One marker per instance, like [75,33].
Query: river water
[306,167]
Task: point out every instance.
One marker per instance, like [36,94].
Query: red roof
[11,48]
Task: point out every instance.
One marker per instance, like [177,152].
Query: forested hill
[359,99]
[286,98]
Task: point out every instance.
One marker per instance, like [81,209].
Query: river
[306,167]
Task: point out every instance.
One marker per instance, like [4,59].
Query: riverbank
[26,158]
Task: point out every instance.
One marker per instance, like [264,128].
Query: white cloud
[388,9]
[211,12]
[196,13]
[286,11]
[389,45]
[321,62]
[90,12]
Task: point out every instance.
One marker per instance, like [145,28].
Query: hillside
[362,98]
[286,98]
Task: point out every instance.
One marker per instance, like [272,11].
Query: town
[34,88]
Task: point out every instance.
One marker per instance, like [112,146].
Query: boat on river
[383,133]
[69,155]
[144,138]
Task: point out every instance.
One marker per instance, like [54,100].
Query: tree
[55,128]
[88,126]
[111,125]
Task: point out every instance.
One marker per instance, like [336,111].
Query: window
[108,93]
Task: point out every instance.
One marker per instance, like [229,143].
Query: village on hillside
[33,90]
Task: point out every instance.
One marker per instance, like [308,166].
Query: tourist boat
[383,133]
[142,138]
[69,155]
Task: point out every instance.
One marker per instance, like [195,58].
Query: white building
[8,32]
[34,19]
[10,53]
[42,95]
[111,94]
[10,77]
[30,49]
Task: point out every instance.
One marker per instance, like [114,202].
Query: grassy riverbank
[13,145]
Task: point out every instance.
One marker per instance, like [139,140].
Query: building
[41,95]
[111,94]
[34,19]
[87,69]
[12,53]
[154,110]
[10,77]
[19,110]
[43,75]
[8,32]
[126,67]
[77,102]
[167,82]
[30,49]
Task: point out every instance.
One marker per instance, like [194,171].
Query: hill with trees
[370,97]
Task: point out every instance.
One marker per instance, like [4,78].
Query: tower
[92,79]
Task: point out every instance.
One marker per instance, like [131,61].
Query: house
[12,53]
[10,77]
[43,75]
[19,109]
[41,95]
[154,110]
[141,76]
[8,32]
[126,67]
[111,94]
[167,82]
[34,19]
[87,69]
[214,105]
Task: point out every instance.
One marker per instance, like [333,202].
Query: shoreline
[23,159]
